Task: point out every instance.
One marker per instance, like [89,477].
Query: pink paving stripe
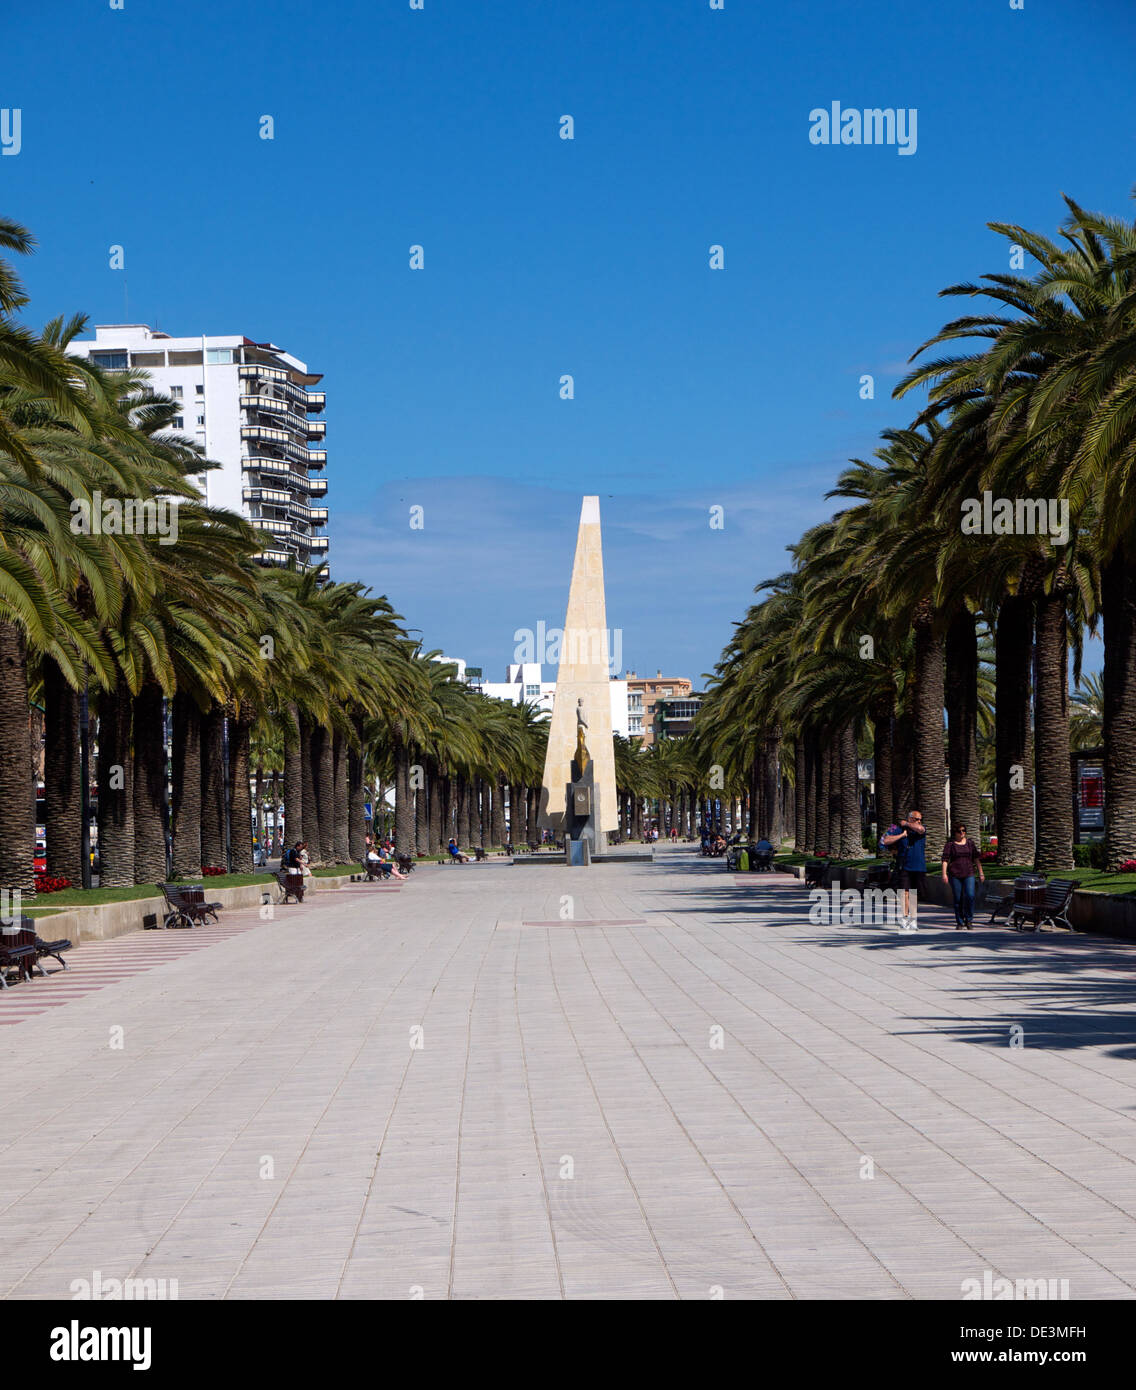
[105,963]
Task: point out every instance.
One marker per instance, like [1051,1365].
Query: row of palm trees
[193,667]
[894,614]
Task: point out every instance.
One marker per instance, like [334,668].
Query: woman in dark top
[961,862]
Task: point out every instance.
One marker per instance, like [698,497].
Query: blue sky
[440,127]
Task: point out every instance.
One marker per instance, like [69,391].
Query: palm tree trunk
[903,765]
[812,784]
[240,795]
[259,817]
[213,807]
[424,798]
[116,788]
[1013,754]
[324,767]
[534,814]
[770,786]
[435,841]
[187,787]
[1118,602]
[883,720]
[499,835]
[823,808]
[961,697]
[835,801]
[851,833]
[293,777]
[403,801]
[340,834]
[309,780]
[63,793]
[929,761]
[356,799]
[17,782]
[799,830]
[149,785]
[483,818]
[1054,839]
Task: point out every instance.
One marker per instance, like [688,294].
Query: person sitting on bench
[383,857]
[455,854]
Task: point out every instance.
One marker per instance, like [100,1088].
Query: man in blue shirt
[912,844]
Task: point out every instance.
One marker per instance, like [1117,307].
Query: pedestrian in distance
[961,863]
[911,842]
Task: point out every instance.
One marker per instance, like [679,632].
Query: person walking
[961,862]
[912,847]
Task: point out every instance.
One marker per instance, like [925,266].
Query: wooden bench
[186,905]
[1053,910]
[291,885]
[378,869]
[18,952]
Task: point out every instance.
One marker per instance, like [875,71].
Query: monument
[578,798]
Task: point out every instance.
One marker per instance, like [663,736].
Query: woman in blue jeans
[961,862]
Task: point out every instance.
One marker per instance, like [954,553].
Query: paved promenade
[667,1084]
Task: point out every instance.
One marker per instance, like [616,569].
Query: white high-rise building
[250,407]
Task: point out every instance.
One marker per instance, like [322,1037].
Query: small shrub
[211,871]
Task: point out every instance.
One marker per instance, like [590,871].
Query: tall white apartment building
[251,408]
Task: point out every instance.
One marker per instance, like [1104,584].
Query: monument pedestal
[582,838]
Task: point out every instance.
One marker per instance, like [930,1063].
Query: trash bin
[743,861]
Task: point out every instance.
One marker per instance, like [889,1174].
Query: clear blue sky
[543,256]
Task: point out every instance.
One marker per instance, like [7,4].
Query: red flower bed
[1128,867]
[988,855]
[47,883]
[211,871]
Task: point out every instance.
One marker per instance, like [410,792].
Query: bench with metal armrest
[186,905]
[18,952]
[378,869]
[1052,909]
[291,884]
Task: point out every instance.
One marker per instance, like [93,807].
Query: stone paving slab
[635,1081]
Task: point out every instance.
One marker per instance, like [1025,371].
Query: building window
[635,724]
[218,357]
[176,392]
[111,361]
[200,388]
[178,422]
[666,691]
[532,692]
[201,419]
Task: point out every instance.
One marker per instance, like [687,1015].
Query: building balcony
[276,497]
[282,379]
[317,487]
[315,429]
[314,543]
[282,440]
[268,405]
[272,524]
[318,516]
[275,557]
[277,469]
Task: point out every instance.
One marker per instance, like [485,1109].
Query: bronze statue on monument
[582,755]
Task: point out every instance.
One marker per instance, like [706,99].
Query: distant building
[250,407]
[524,681]
[645,695]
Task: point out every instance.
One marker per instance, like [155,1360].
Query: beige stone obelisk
[582,673]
